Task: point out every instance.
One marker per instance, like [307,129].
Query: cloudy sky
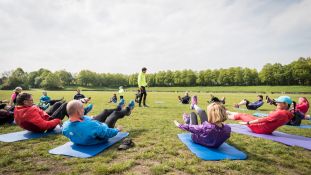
[124,35]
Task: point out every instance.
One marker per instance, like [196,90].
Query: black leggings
[143,95]
[110,116]
[6,116]
[52,102]
[194,119]
[58,110]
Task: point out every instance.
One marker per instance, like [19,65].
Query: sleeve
[270,118]
[195,129]
[42,123]
[103,131]
[75,97]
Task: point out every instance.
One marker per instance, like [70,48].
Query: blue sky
[121,36]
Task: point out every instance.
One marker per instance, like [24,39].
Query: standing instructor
[142,86]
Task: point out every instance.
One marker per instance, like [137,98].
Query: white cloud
[124,35]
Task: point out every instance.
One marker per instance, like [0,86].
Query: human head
[78,91]
[144,70]
[44,93]
[18,90]
[216,113]
[260,97]
[121,97]
[24,99]
[186,93]
[283,102]
[303,100]
[75,108]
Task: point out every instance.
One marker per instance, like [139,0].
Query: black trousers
[143,95]
[58,110]
[194,119]
[111,116]
[52,102]
[6,116]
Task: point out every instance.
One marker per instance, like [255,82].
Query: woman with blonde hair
[212,132]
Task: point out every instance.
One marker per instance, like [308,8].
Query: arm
[43,124]
[103,131]
[196,129]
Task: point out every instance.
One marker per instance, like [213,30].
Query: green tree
[52,82]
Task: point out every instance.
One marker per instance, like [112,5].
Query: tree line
[297,72]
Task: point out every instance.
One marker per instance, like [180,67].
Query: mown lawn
[157,150]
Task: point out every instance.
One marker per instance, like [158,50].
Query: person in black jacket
[78,96]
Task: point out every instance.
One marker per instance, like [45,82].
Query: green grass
[236,89]
[157,149]
[219,89]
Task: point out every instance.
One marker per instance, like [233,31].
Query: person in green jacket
[142,86]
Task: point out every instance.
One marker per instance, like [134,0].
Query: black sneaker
[126,144]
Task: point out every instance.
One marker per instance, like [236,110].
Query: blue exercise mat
[225,151]
[26,135]
[86,151]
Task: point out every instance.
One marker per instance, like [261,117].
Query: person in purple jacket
[251,106]
[212,132]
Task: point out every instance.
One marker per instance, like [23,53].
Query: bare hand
[176,123]
[119,128]
[243,123]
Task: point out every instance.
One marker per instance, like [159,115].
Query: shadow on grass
[136,132]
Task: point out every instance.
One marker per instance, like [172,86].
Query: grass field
[157,149]
[236,89]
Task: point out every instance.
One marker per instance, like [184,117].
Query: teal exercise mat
[225,151]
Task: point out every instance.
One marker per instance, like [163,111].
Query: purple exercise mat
[287,139]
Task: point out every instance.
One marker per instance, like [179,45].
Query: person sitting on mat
[78,96]
[303,106]
[45,101]
[113,99]
[30,117]
[266,125]
[185,99]
[217,100]
[84,130]
[137,96]
[12,102]
[212,132]
[251,106]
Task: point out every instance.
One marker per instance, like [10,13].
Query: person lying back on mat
[185,99]
[266,125]
[212,132]
[32,118]
[251,106]
[84,130]
[303,106]
[113,99]
[45,101]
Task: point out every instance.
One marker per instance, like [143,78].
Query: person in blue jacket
[46,101]
[85,130]
[251,106]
